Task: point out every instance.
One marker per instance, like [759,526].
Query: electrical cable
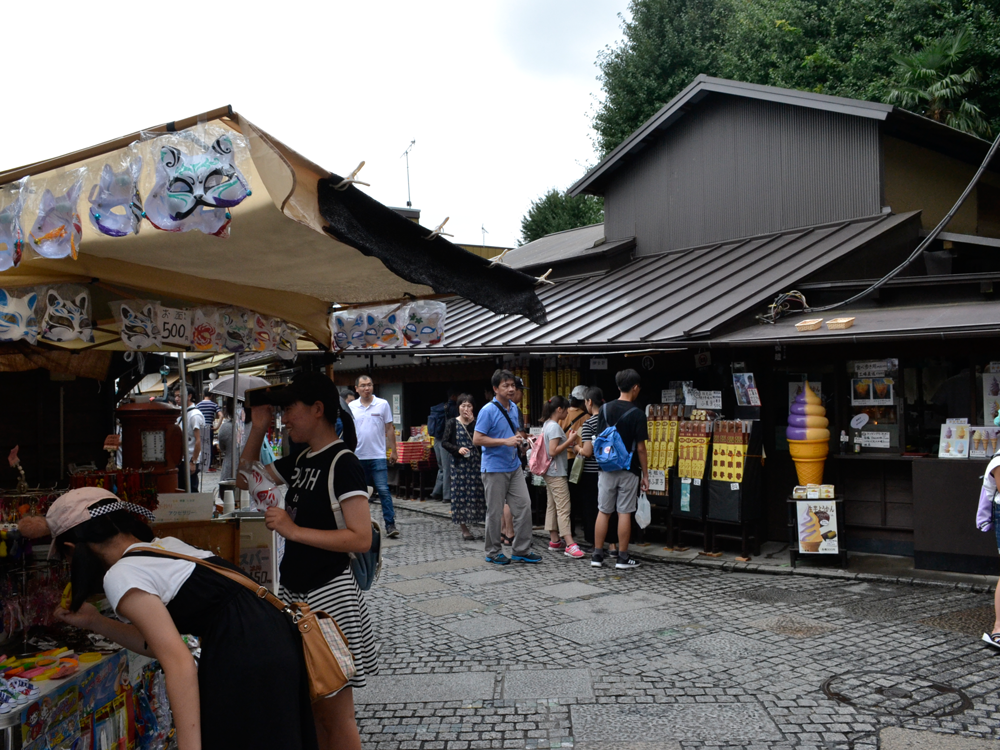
[777,310]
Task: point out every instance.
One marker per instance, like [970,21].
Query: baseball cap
[579,393]
[519,383]
[307,387]
[79,506]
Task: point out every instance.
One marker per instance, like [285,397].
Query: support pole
[62,432]
[182,371]
[234,443]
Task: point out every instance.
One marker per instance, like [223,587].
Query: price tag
[734,486]
[697,482]
[175,327]
[685,480]
[657,480]
[754,396]
[668,396]
[957,420]
[709,400]
[875,439]
[535,431]
[598,363]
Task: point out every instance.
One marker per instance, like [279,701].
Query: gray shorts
[617,491]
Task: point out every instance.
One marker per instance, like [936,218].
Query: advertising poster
[746,389]
[984,441]
[991,397]
[955,440]
[871,391]
[818,527]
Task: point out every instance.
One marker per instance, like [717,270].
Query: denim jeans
[377,476]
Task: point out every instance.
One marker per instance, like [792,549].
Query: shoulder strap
[232,575]
[513,430]
[578,418]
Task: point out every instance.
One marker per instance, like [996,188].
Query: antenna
[483,228]
[406,155]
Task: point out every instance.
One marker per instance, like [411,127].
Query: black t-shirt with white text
[631,423]
[308,502]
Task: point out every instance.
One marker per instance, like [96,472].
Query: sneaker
[574,550]
[627,562]
[557,546]
[613,553]
[531,557]
[597,560]
[391,531]
[500,559]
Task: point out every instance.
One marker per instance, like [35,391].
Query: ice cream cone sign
[808,436]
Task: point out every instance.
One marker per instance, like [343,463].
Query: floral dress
[468,501]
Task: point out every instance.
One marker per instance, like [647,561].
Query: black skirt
[252,676]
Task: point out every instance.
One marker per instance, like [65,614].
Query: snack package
[11,234]
[65,314]
[264,493]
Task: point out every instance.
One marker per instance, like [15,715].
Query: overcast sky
[498,95]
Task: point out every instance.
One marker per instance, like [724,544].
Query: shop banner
[817,526]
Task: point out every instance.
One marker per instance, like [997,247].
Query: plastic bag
[117,188]
[383,326]
[18,319]
[348,329]
[137,320]
[643,512]
[66,314]
[264,493]
[56,230]
[11,235]
[424,324]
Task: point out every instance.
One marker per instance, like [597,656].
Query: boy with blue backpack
[620,451]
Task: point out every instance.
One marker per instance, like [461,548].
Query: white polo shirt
[370,422]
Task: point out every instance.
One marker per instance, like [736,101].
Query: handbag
[576,470]
[329,663]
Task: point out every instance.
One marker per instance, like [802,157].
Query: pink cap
[72,509]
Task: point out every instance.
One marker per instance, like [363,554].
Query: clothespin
[544,278]
[437,232]
[349,180]
[499,258]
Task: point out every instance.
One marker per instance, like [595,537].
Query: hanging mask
[56,231]
[349,330]
[264,339]
[139,329]
[67,319]
[11,236]
[382,328]
[425,325]
[205,330]
[117,190]
[193,192]
[237,332]
[288,341]
[17,318]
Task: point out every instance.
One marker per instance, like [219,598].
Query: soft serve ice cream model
[808,436]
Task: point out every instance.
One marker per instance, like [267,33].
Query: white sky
[497,95]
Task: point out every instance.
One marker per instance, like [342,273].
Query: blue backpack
[609,448]
[437,420]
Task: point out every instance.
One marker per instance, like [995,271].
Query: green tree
[930,82]
[557,211]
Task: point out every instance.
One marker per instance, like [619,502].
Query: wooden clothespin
[350,179]
[499,258]
[437,232]
[544,278]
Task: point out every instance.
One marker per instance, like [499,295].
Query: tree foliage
[557,211]
[838,47]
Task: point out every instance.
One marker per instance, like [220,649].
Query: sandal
[470,537]
[506,541]
[993,639]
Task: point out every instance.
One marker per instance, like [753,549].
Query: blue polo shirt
[498,459]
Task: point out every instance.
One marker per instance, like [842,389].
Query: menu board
[955,440]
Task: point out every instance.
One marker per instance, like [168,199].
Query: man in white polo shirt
[373,422]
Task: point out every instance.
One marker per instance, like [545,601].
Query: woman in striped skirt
[316,565]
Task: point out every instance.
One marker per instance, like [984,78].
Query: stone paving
[562,655]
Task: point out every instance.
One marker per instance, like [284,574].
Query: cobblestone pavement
[667,656]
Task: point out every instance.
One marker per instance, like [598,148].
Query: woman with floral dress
[468,499]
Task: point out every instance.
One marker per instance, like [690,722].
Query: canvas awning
[297,247]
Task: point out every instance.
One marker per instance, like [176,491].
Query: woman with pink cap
[249,689]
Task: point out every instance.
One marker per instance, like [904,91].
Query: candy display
[808,436]
[729,450]
[693,441]
[663,423]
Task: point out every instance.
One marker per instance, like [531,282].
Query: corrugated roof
[665,298]
[903,124]
[557,246]
[916,321]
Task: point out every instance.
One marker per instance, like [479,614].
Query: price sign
[598,363]
[668,396]
[874,439]
[175,327]
[709,400]
[657,480]
[754,395]
[734,486]
[697,481]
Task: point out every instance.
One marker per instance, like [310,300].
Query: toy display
[117,190]
[56,231]
[66,316]
[11,234]
[808,436]
[18,320]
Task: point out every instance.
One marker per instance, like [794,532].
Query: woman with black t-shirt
[316,565]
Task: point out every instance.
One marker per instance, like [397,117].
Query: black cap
[519,384]
[307,387]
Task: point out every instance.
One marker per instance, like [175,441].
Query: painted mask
[11,236]
[56,231]
[193,192]
[117,190]
[139,329]
[285,339]
[264,339]
[349,331]
[205,330]
[237,331]
[67,319]
[17,318]
[382,328]
[425,324]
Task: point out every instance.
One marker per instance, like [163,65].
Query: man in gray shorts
[619,490]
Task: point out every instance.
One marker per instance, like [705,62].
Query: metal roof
[903,124]
[917,321]
[571,244]
[665,298]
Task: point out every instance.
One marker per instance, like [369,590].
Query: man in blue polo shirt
[503,479]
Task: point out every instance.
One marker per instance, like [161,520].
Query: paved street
[668,656]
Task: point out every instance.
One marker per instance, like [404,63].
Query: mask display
[66,316]
[194,191]
[425,323]
[56,231]
[117,190]
[17,317]
[138,325]
[265,336]
[287,342]
[205,330]
[237,330]
[383,327]
[348,330]
[11,236]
